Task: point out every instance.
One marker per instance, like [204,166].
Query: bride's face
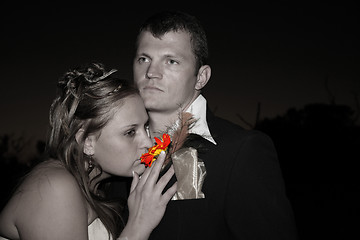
[124,139]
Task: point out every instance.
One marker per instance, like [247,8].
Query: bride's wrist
[132,233]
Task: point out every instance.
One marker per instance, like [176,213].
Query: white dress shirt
[198,110]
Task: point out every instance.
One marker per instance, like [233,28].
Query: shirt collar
[198,110]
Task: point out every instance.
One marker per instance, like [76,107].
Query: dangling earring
[90,163]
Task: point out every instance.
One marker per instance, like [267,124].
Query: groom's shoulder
[223,128]
[221,124]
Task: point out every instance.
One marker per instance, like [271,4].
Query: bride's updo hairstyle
[85,100]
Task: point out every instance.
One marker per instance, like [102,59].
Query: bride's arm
[146,202]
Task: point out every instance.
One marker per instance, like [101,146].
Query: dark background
[288,69]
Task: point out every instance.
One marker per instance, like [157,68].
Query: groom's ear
[203,77]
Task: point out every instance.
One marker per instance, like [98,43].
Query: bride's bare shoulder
[49,181]
[48,190]
[47,177]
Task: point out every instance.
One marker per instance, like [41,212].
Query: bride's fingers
[145,175]
[161,158]
[155,169]
[135,181]
[159,161]
[169,193]
[163,181]
[151,174]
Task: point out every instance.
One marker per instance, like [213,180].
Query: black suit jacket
[244,191]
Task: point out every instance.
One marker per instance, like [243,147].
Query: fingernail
[133,173]
[162,153]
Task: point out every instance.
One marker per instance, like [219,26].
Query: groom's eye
[143,59]
[172,62]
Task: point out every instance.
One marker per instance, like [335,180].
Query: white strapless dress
[96,231]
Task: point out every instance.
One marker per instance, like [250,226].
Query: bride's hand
[146,202]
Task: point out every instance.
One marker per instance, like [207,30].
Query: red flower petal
[149,157]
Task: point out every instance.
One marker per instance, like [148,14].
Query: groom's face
[164,71]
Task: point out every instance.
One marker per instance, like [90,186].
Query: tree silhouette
[11,165]
[318,148]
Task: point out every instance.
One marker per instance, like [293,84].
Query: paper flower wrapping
[190,173]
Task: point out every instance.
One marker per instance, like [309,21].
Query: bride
[98,129]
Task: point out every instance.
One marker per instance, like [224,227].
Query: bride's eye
[130,133]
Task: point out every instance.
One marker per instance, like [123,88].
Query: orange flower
[149,157]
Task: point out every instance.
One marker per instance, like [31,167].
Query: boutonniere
[190,170]
[166,144]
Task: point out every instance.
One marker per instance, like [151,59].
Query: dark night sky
[277,54]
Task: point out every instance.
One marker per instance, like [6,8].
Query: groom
[244,189]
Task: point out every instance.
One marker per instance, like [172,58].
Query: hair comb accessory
[115,90]
[90,75]
[93,75]
[105,75]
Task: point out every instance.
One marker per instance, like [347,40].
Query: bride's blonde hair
[84,101]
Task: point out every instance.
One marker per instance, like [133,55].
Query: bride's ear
[89,142]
